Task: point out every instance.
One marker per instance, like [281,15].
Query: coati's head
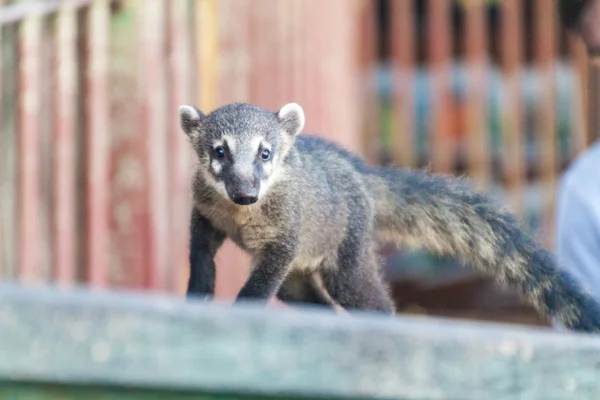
[241,146]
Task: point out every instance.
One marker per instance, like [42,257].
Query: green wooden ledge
[88,345]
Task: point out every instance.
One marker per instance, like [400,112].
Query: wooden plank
[235,43]
[261,51]
[29,149]
[594,99]
[283,39]
[587,14]
[47,115]
[511,47]
[181,153]
[113,340]
[64,146]
[97,145]
[579,109]
[9,68]
[152,101]
[128,153]
[442,145]
[367,64]
[478,136]
[8,148]
[545,126]
[21,10]
[3,248]
[344,125]
[403,38]
[300,51]
[207,54]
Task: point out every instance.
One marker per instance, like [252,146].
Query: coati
[304,208]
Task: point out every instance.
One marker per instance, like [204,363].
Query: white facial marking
[255,143]
[218,186]
[216,166]
[274,173]
[230,140]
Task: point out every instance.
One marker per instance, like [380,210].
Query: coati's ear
[189,118]
[291,117]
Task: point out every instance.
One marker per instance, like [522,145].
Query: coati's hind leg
[358,286]
[301,288]
[355,282]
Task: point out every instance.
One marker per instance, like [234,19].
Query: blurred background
[95,172]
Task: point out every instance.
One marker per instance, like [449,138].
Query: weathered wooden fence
[94,171]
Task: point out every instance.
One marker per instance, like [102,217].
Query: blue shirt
[578,220]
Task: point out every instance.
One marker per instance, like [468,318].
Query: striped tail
[445,216]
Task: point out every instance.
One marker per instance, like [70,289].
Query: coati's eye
[219,152]
[266,154]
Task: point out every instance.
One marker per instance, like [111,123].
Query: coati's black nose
[244,199]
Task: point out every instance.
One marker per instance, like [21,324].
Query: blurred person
[578,206]
[578,221]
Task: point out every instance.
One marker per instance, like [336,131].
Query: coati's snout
[243,192]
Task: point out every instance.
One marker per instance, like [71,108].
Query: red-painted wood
[310,74]
[439,31]
[180,152]
[476,112]
[511,56]
[579,107]
[64,147]
[155,127]
[4,250]
[403,57]
[29,150]
[545,130]
[128,223]
[97,134]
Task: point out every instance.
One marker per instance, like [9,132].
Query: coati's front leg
[205,240]
[271,266]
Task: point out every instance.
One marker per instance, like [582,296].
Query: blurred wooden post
[545,128]
[511,41]
[368,68]
[9,149]
[587,25]
[4,258]
[439,35]
[579,106]
[207,54]
[154,126]
[129,220]
[477,132]
[403,73]
[594,98]
[29,150]
[97,145]
[181,152]
[64,150]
